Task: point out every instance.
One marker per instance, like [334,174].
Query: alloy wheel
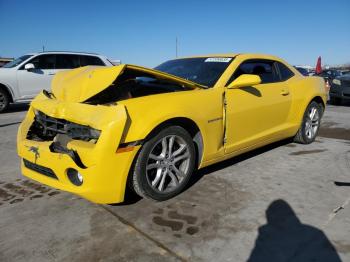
[312,122]
[168,163]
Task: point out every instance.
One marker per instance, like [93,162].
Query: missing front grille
[45,128]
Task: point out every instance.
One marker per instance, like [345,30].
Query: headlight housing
[46,128]
[336,82]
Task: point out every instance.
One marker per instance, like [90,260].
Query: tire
[160,173]
[310,125]
[335,100]
[4,100]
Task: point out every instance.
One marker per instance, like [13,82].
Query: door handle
[51,74]
[284,92]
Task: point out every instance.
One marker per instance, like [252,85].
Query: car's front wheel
[4,100]
[164,164]
[311,124]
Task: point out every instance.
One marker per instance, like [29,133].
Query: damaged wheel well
[190,126]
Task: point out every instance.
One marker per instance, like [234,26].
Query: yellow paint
[80,84]
[244,80]
[254,116]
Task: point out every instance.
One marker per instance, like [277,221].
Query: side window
[67,61]
[263,68]
[86,60]
[285,72]
[44,61]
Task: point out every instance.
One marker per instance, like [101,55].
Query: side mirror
[245,80]
[29,66]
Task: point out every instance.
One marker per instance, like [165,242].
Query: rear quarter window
[285,72]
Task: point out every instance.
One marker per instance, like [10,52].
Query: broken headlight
[46,128]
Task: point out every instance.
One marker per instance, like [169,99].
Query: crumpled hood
[80,84]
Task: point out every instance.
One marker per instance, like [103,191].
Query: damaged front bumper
[103,170]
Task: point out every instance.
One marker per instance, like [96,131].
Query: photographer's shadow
[285,238]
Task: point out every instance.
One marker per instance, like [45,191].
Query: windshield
[204,70]
[17,61]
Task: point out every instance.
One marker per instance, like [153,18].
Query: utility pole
[43,48]
[176,47]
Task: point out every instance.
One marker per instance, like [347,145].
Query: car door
[31,82]
[256,113]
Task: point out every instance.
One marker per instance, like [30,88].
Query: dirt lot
[284,202]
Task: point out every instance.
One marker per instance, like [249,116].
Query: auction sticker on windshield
[218,59]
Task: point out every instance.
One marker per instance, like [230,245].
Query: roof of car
[248,55]
[63,52]
[212,55]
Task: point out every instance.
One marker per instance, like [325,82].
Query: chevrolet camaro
[101,130]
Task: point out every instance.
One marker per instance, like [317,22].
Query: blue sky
[144,32]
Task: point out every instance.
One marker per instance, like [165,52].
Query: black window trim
[279,72]
[66,54]
[84,55]
[31,59]
[57,54]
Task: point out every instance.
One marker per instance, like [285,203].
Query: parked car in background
[115,61]
[330,74]
[340,89]
[302,70]
[23,78]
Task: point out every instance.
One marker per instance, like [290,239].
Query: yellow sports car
[100,130]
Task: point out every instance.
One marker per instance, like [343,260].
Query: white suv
[22,79]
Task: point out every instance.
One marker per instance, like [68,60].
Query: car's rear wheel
[4,100]
[310,125]
[164,164]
